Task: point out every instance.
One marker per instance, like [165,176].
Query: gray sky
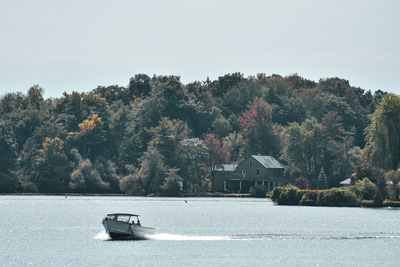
[77,45]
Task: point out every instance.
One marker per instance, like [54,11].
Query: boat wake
[313,237]
[174,237]
[102,236]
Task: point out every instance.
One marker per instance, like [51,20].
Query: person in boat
[138,222]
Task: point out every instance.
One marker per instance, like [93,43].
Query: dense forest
[134,139]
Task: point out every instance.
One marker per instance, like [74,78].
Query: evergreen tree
[322,180]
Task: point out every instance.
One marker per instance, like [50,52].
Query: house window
[250,162]
[257,171]
[243,173]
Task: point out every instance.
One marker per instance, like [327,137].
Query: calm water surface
[54,231]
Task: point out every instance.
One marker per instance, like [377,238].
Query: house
[179,180]
[256,169]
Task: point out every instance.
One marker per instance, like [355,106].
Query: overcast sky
[78,45]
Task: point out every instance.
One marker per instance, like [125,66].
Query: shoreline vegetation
[352,196]
[157,136]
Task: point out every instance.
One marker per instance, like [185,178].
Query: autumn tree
[51,167]
[216,153]
[95,104]
[69,110]
[129,137]
[301,183]
[90,138]
[237,98]
[233,144]
[257,129]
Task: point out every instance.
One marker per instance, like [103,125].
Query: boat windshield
[111,217]
[123,218]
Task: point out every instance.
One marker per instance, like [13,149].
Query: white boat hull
[120,230]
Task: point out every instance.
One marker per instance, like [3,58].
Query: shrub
[258,191]
[391,203]
[276,193]
[337,197]
[309,198]
[357,190]
[301,183]
[287,195]
[367,188]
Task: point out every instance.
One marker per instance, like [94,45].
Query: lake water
[54,231]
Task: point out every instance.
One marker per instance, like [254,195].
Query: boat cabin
[124,217]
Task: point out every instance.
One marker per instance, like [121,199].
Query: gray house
[179,180]
[256,169]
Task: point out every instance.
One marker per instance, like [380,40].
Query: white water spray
[174,237]
[102,236]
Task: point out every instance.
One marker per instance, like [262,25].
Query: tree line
[133,139]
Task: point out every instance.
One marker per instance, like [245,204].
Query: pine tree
[322,182]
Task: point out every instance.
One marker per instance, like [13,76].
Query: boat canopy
[122,214]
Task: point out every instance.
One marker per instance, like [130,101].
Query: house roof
[268,162]
[347,181]
[226,167]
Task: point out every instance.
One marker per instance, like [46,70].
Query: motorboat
[121,226]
